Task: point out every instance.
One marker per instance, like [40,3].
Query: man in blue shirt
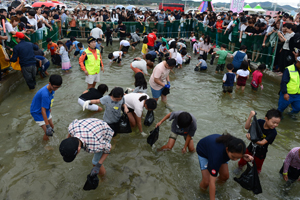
[25,52]
[41,104]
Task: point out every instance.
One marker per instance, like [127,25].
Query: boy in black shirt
[93,93]
[267,126]
[122,30]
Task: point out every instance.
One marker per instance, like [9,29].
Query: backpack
[294,42]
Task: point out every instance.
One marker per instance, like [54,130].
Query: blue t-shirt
[214,152]
[153,54]
[76,43]
[43,98]
[69,44]
[203,63]
[98,45]
[81,51]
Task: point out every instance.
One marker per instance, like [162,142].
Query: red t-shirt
[256,80]
[151,39]
[53,47]
[219,26]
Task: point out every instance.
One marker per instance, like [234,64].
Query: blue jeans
[132,28]
[294,101]
[169,31]
[183,32]
[97,157]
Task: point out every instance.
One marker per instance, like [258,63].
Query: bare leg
[131,120]
[224,173]
[253,55]
[205,180]
[164,98]
[237,87]
[168,146]
[45,137]
[243,88]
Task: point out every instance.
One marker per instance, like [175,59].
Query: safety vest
[91,64]
[293,86]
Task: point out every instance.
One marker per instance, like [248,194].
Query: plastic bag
[149,119]
[250,180]
[153,137]
[124,124]
[165,91]
[255,131]
[91,183]
[196,68]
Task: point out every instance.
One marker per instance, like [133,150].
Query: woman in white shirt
[173,50]
[114,19]
[136,102]
[171,19]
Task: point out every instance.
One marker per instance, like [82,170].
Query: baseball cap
[90,39]
[219,17]
[19,35]
[68,149]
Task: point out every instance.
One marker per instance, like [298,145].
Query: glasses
[55,87]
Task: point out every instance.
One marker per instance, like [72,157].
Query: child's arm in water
[163,119]
[187,141]
[199,64]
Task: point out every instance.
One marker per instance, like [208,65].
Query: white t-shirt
[162,48]
[32,22]
[96,32]
[64,54]
[115,18]
[243,73]
[124,43]
[140,64]
[9,29]
[38,17]
[179,59]
[132,101]
[181,44]
[171,41]
[173,53]
[116,54]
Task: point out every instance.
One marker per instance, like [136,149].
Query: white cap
[27,6]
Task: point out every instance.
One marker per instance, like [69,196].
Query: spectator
[97,32]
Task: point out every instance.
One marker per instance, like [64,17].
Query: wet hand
[49,130]
[167,86]
[86,105]
[261,87]
[252,113]
[285,177]
[248,136]
[102,69]
[86,73]
[247,157]
[158,124]
[96,169]
[286,97]
[144,134]
[183,150]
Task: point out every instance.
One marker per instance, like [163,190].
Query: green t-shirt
[222,56]
[164,40]
[235,29]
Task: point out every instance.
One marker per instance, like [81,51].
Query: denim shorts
[97,157]
[156,93]
[203,162]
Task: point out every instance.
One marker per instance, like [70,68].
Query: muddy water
[33,169]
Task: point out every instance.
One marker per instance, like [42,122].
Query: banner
[237,6]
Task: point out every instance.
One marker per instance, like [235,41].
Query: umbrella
[48,4]
[119,6]
[130,7]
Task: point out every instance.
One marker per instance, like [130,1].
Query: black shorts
[130,110]
[126,47]
[293,173]
[254,88]
[76,53]
[228,89]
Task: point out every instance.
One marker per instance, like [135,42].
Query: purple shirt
[94,133]
[292,159]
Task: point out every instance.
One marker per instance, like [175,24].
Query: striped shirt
[292,159]
[94,134]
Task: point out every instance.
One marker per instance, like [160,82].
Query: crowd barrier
[256,51]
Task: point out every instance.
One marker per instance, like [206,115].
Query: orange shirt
[53,47]
[73,23]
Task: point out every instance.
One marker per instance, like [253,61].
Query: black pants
[29,75]
[108,40]
[115,128]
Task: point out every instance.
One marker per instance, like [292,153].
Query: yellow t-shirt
[144,48]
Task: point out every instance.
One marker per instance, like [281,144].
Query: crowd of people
[161,53]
